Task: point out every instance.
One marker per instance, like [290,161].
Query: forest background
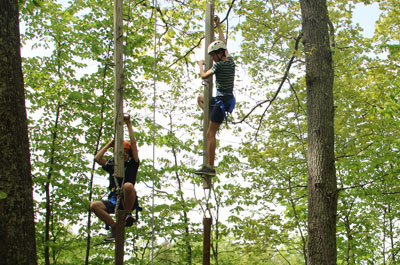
[259,200]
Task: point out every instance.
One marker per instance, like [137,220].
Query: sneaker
[111,235]
[129,220]
[205,171]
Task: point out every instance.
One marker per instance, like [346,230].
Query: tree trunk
[391,235]
[49,212]
[99,136]
[322,190]
[186,234]
[17,228]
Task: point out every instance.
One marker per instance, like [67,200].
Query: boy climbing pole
[103,208]
[224,70]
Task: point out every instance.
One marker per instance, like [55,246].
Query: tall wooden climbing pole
[118,122]
[208,89]
[208,86]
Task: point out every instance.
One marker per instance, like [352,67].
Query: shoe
[111,235]
[129,220]
[205,171]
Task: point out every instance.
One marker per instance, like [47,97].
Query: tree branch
[198,44]
[187,53]
[284,78]
[229,10]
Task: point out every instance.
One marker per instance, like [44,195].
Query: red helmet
[127,145]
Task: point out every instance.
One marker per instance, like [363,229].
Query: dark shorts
[217,115]
[110,206]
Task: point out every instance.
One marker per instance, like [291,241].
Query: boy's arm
[221,36]
[204,74]
[99,157]
[134,148]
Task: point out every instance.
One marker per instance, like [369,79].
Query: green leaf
[3,195]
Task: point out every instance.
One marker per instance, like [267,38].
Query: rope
[154,126]
[207,197]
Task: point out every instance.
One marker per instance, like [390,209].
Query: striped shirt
[224,76]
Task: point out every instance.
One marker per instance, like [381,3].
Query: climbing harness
[116,195]
[226,106]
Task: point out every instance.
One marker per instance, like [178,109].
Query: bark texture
[322,190]
[17,230]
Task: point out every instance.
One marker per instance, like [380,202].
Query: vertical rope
[154,126]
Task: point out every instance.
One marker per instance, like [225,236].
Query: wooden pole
[118,119]
[120,237]
[207,221]
[208,87]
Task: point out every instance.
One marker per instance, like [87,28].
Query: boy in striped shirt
[224,70]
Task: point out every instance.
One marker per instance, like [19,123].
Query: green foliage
[259,200]
[3,195]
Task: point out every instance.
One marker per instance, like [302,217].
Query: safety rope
[207,197]
[154,127]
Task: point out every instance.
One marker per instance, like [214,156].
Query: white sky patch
[366,16]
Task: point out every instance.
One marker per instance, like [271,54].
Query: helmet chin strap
[219,58]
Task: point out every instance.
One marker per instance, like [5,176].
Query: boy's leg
[200,101]
[212,142]
[129,196]
[129,199]
[100,210]
[216,118]
[211,139]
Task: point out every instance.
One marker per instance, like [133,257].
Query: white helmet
[215,46]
